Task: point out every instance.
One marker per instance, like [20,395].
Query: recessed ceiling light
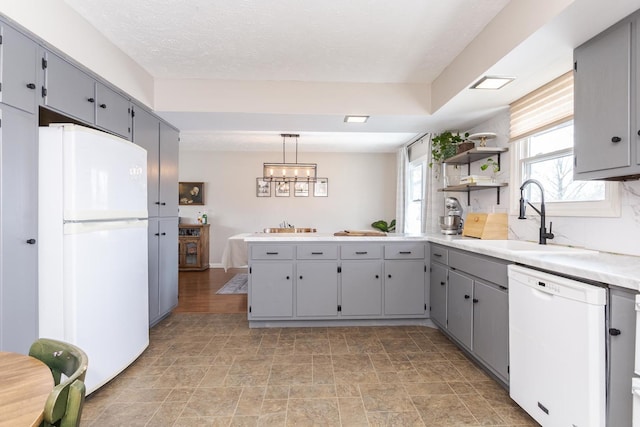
[356,119]
[492,82]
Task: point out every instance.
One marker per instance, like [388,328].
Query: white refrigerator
[92,227]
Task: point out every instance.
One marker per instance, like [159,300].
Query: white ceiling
[354,41]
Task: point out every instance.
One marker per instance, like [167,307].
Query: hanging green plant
[444,145]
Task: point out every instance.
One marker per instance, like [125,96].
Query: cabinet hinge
[575,161]
[508,369]
[339,269]
[339,308]
[133,113]
[425,268]
[425,307]
[249,270]
[249,309]
[575,66]
[44,91]
[0,87]
[0,39]
[44,63]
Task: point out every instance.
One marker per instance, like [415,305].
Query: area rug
[237,285]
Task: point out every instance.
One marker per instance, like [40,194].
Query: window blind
[543,108]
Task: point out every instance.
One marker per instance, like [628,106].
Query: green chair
[64,405]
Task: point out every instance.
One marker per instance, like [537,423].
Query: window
[543,150]
[415,190]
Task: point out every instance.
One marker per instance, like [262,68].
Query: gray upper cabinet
[168,179]
[19,56]
[74,93]
[146,133]
[68,89]
[113,112]
[18,230]
[606,113]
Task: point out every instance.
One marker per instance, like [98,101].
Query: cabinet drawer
[404,251]
[491,269]
[361,252]
[439,254]
[272,252]
[317,252]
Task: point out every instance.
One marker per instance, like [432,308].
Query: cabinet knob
[616,139]
[442,283]
[103,105]
[163,204]
[389,276]
[377,276]
[475,300]
[91,100]
[31,85]
[287,277]
[157,234]
[614,331]
[31,241]
[163,234]
[467,297]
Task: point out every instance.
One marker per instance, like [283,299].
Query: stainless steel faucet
[543,228]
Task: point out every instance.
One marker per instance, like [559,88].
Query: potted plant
[383,226]
[445,145]
[495,167]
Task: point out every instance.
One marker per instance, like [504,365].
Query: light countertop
[603,267]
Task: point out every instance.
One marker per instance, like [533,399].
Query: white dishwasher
[557,348]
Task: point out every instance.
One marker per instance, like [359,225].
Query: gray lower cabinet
[438,291]
[469,302]
[163,267]
[460,308]
[271,285]
[18,229]
[491,326]
[317,289]
[19,55]
[621,345]
[361,288]
[404,287]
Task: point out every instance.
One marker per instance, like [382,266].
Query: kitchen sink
[524,246]
[289,230]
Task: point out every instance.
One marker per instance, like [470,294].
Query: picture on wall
[301,189]
[321,187]
[191,193]
[282,189]
[263,188]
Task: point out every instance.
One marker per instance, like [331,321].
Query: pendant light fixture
[289,172]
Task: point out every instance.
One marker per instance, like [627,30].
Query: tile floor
[212,370]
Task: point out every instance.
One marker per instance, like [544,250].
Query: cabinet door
[361,288]
[19,75]
[168,192]
[491,326]
[191,252]
[317,289]
[460,307]
[154,268]
[404,287]
[146,133]
[438,290]
[602,102]
[168,265]
[271,289]
[18,230]
[69,90]
[114,112]
[622,318]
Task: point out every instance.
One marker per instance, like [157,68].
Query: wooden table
[25,384]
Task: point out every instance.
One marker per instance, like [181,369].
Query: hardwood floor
[197,292]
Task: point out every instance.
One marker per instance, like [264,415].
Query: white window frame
[423,163]
[609,207]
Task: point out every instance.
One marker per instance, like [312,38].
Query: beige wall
[362,189]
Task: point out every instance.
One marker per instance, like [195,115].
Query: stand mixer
[451,223]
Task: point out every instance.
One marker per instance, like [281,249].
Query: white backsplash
[617,235]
